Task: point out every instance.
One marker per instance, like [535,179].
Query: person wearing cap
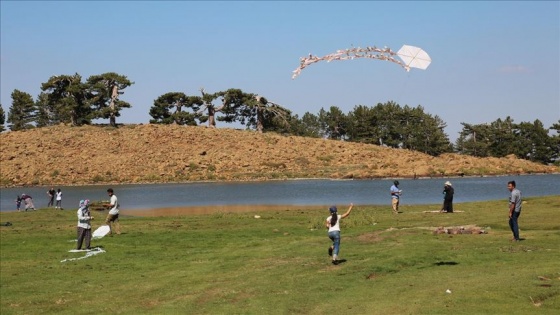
[448,192]
[333,226]
[395,196]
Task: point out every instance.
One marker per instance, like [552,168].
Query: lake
[306,192]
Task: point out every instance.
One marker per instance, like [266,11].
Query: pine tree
[66,100]
[22,112]
[104,92]
[2,119]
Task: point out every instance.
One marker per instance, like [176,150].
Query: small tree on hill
[2,119]
[307,126]
[66,100]
[253,110]
[211,109]
[473,140]
[22,111]
[45,111]
[103,95]
[534,144]
[172,108]
[556,141]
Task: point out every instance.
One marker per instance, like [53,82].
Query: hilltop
[64,155]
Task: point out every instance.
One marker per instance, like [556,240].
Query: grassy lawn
[234,263]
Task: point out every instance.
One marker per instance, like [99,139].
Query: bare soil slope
[63,155]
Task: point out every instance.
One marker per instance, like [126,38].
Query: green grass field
[234,263]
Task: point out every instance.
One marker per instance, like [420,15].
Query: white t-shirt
[335,227]
[59,195]
[115,204]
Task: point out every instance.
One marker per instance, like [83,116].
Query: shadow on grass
[446,263]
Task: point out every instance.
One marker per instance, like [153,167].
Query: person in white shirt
[333,226]
[58,199]
[84,225]
[113,215]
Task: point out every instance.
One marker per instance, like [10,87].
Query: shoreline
[217,209]
[281,179]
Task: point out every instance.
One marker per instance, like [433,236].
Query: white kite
[412,57]
[100,232]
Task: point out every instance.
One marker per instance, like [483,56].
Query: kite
[100,232]
[412,57]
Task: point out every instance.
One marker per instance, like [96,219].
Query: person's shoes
[330,251]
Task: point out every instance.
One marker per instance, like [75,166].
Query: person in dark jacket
[448,192]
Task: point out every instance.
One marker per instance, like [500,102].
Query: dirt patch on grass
[373,237]
[378,236]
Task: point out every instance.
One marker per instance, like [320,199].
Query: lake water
[291,192]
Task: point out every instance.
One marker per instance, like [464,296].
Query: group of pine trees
[66,99]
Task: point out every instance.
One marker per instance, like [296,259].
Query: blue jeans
[513,224]
[335,238]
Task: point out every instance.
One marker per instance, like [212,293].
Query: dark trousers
[83,234]
[448,205]
[513,224]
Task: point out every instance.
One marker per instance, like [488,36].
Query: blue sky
[490,60]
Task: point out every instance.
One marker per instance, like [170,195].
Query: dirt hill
[63,155]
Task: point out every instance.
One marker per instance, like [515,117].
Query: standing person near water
[59,199]
[18,203]
[448,192]
[51,192]
[333,225]
[396,193]
[514,210]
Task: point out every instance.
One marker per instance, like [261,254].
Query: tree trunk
[114,95]
[211,118]
[260,118]
[177,110]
